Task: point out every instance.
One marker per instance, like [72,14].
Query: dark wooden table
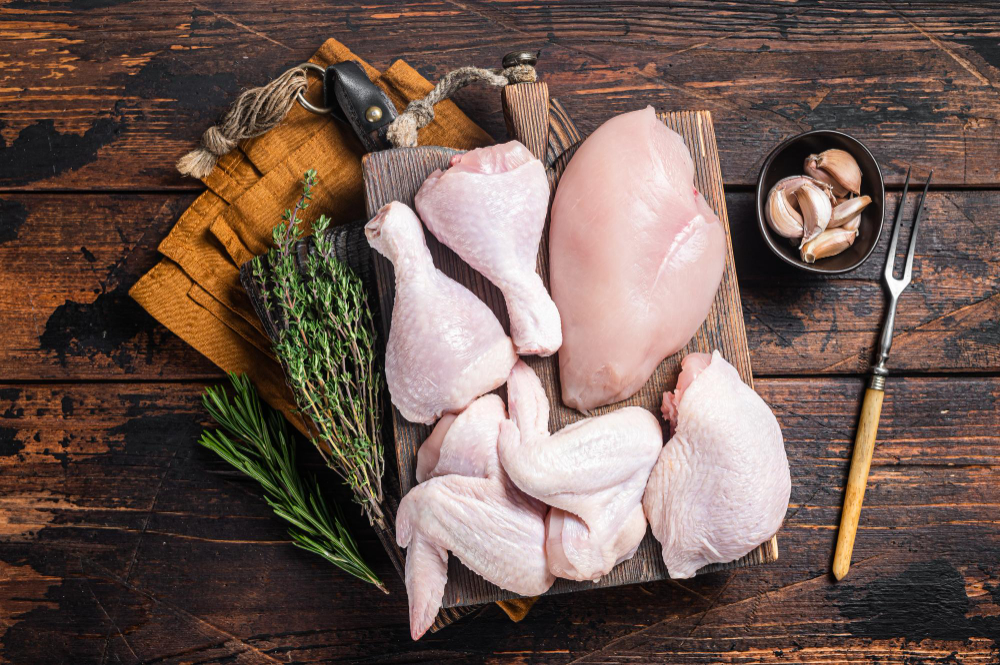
[122,541]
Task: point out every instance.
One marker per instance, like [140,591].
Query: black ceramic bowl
[787,160]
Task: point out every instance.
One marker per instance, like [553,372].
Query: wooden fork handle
[861,461]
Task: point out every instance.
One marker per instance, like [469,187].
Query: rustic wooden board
[122,541]
[109,94]
[396,175]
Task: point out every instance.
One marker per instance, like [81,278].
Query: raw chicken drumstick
[721,485]
[592,473]
[635,255]
[469,507]
[445,346]
[490,207]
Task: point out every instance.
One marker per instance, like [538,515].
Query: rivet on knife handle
[871,410]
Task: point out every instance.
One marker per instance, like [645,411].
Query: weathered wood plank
[67,261]
[121,540]
[66,265]
[947,318]
[110,94]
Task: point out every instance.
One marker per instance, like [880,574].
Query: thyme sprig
[326,344]
[257,441]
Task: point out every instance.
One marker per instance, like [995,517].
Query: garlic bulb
[827,243]
[816,211]
[837,168]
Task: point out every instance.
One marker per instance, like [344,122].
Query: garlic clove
[848,211]
[781,216]
[826,244]
[852,225]
[813,171]
[816,211]
[843,167]
[793,182]
[836,167]
[829,193]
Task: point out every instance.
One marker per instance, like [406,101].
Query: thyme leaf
[326,346]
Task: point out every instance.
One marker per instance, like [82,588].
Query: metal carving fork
[871,409]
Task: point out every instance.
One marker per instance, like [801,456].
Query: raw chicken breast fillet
[635,254]
[490,207]
[593,474]
[445,346]
[721,485]
[491,526]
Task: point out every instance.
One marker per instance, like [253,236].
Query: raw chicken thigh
[721,485]
[490,207]
[592,473]
[445,346]
[482,518]
[636,256]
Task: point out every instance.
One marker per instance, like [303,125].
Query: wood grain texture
[122,540]
[528,117]
[66,265]
[74,257]
[109,94]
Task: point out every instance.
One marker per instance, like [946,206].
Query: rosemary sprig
[257,441]
[327,348]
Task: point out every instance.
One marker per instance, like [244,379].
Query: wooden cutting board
[544,127]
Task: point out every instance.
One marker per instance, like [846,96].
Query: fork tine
[890,259]
[908,271]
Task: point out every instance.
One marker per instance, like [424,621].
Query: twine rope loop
[258,110]
[402,133]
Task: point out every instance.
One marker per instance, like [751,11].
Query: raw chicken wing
[492,527]
[445,346]
[465,444]
[592,473]
[490,207]
[721,485]
[636,256]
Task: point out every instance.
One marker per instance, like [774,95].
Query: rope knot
[423,112]
[402,133]
[254,112]
[521,74]
[217,143]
